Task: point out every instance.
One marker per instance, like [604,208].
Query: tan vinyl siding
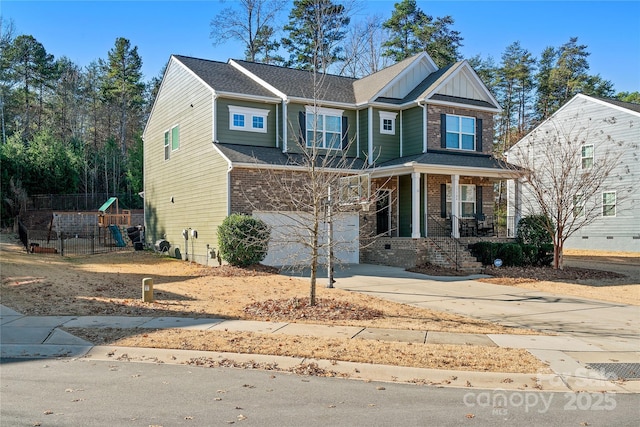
[229,136]
[190,189]
[412,131]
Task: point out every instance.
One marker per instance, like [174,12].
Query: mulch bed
[299,308]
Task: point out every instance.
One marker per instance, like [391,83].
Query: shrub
[485,252]
[243,240]
[510,254]
[545,255]
[533,230]
[530,254]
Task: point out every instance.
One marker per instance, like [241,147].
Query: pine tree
[315,29]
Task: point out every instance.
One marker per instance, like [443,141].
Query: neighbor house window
[388,122]
[248,119]
[324,128]
[467,206]
[578,205]
[171,141]
[609,203]
[461,132]
[587,156]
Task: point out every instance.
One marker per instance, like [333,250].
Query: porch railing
[439,232]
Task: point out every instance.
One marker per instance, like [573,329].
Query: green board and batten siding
[185,102]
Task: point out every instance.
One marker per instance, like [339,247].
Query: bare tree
[567,165]
[253,24]
[363,48]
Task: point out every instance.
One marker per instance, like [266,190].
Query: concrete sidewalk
[40,337]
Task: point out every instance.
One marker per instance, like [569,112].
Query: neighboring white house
[595,129]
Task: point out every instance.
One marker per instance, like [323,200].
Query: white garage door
[289,231]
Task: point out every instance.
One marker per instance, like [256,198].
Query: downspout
[423,104]
[370,136]
[285,132]
[358,133]
[214,128]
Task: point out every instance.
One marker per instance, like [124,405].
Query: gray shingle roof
[457,159]
[248,154]
[300,84]
[222,77]
[628,105]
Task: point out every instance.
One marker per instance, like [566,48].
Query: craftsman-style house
[424,134]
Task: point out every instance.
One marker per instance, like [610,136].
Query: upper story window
[609,203]
[324,128]
[460,132]
[171,141]
[587,156]
[248,119]
[388,122]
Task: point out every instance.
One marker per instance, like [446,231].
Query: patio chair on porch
[485,226]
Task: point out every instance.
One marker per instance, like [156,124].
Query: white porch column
[517,214]
[415,205]
[426,205]
[455,202]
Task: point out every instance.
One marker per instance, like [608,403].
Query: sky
[86,30]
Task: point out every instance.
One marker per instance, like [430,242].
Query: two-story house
[588,154]
[424,135]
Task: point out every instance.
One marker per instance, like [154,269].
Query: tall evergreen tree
[413,31]
[123,85]
[32,67]
[315,29]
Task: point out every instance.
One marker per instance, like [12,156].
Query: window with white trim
[388,122]
[461,132]
[587,156]
[609,203]
[248,119]
[324,128]
[467,205]
[171,141]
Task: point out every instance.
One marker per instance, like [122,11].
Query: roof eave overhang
[459,104]
[265,166]
[410,167]
[242,96]
[321,102]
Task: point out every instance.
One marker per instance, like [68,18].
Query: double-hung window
[467,196]
[609,203]
[461,132]
[587,156]
[171,141]
[248,119]
[324,128]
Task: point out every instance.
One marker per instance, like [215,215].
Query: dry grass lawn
[110,284]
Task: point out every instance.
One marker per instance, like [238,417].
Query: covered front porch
[432,214]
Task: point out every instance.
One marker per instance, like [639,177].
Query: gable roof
[416,79]
[222,77]
[299,83]
[626,105]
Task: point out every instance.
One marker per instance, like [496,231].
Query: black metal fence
[89,241]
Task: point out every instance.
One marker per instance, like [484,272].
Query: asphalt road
[82,392]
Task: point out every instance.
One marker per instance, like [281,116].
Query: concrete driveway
[609,326]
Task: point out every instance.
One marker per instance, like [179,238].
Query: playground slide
[117,236]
